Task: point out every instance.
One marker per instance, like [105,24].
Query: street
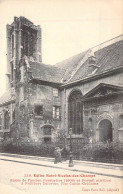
[22,178]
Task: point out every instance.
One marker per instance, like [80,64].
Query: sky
[68,26]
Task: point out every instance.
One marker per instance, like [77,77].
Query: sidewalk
[112,170]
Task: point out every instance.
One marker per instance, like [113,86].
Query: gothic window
[22,73]
[75,112]
[12,69]
[0,122]
[30,39]
[38,110]
[55,92]
[90,123]
[13,115]
[6,120]
[31,44]
[121,120]
[56,112]
[26,43]
[21,94]
[12,45]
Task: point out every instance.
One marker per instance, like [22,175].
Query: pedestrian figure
[59,154]
[56,155]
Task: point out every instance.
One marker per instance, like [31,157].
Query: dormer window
[92,63]
[92,58]
[55,92]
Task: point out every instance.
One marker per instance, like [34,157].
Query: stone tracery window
[13,115]
[29,41]
[75,112]
[6,120]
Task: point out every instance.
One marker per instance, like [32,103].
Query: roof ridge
[70,58]
[80,63]
[46,65]
[92,48]
[110,42]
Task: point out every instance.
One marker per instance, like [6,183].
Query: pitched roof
[6,97]
[109,56]
[46,72]
[70,64]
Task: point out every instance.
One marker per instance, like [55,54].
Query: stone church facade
[83,93]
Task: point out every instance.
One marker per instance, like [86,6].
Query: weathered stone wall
[109,109]
[10,108]
[43,95]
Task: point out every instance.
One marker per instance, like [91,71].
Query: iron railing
[100,152]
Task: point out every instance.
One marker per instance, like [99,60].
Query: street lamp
[71,155]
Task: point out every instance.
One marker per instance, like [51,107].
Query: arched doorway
[75,112]
[105,130]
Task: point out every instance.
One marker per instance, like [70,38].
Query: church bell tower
[23,39]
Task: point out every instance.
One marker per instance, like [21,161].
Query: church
[81,94]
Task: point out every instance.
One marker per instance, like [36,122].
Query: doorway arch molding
[46,131]
[47,125]
[102,117]
[72,91]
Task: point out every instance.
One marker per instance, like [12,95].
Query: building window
[21,94]
[39,110]
[47,130]
[75,112]
[22,73]
[12,45]
[47,133]
[56,112]
[12,69]
[55,92]
[26,43]
[29,42]
[6,120]
[0,122]
[13,115]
